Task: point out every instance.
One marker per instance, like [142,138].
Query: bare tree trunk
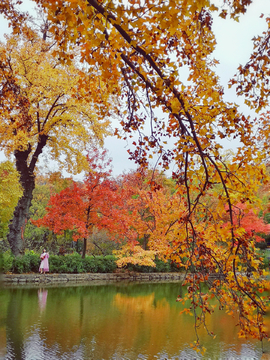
[84,248]
[87,227]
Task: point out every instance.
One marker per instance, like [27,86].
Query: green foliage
[265,255]
[90,264]
[267,239]
[261,245]
[38,237]
[99,243]
[1,262]
[8,259]
[32,261]
[19,265]
[56,263]
[110,263]
[4,245]
[26,263]
[74,264]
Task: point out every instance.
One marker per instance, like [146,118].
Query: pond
[116,321]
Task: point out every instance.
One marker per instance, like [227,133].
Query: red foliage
[80,206]
[250,221]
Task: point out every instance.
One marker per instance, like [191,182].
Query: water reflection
[42,298]
[14,326]
[138,321]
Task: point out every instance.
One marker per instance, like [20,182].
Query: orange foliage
[138,50]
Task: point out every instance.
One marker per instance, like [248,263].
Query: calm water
[126,321]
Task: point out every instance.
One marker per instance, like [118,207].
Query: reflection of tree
[14,331]
[114,321]
[81,310]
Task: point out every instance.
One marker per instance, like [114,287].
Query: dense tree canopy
[80,207]
[43,105]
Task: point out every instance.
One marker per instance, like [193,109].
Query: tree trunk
[87,227]
[20,216]
[145,240]
[84,247]
[27,181]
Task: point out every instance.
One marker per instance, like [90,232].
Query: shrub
[31,261]
[19,265]
[100,265]
[110,262]
[175,267]
[89,264]
[63,269]
[55,263]
[266,258]
[73,263]
[162,266]
[261,245]
[141,268]
[7,262]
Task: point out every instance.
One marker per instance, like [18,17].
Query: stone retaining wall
[12,279]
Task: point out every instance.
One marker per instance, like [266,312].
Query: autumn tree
[128,204]
[142,48]
[153,220]
[46,185]
[43,106]
[81,207]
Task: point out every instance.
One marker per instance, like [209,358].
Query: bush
[100,265]
[110,262]
[175,267]
[7,262]
[266,258]
[261,245]
[18,265]
[63,269]
[141,268]
[31,262]
[73,264]
[55,262]
[162,266]
[89,264]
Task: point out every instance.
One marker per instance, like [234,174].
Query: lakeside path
[23,279]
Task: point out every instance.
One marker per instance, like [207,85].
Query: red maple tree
[82,206]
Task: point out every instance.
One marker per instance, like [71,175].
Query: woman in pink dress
[44,265]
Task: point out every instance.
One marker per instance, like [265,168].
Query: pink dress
[42,298]
[44,262]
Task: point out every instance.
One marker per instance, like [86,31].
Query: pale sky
[233,48]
